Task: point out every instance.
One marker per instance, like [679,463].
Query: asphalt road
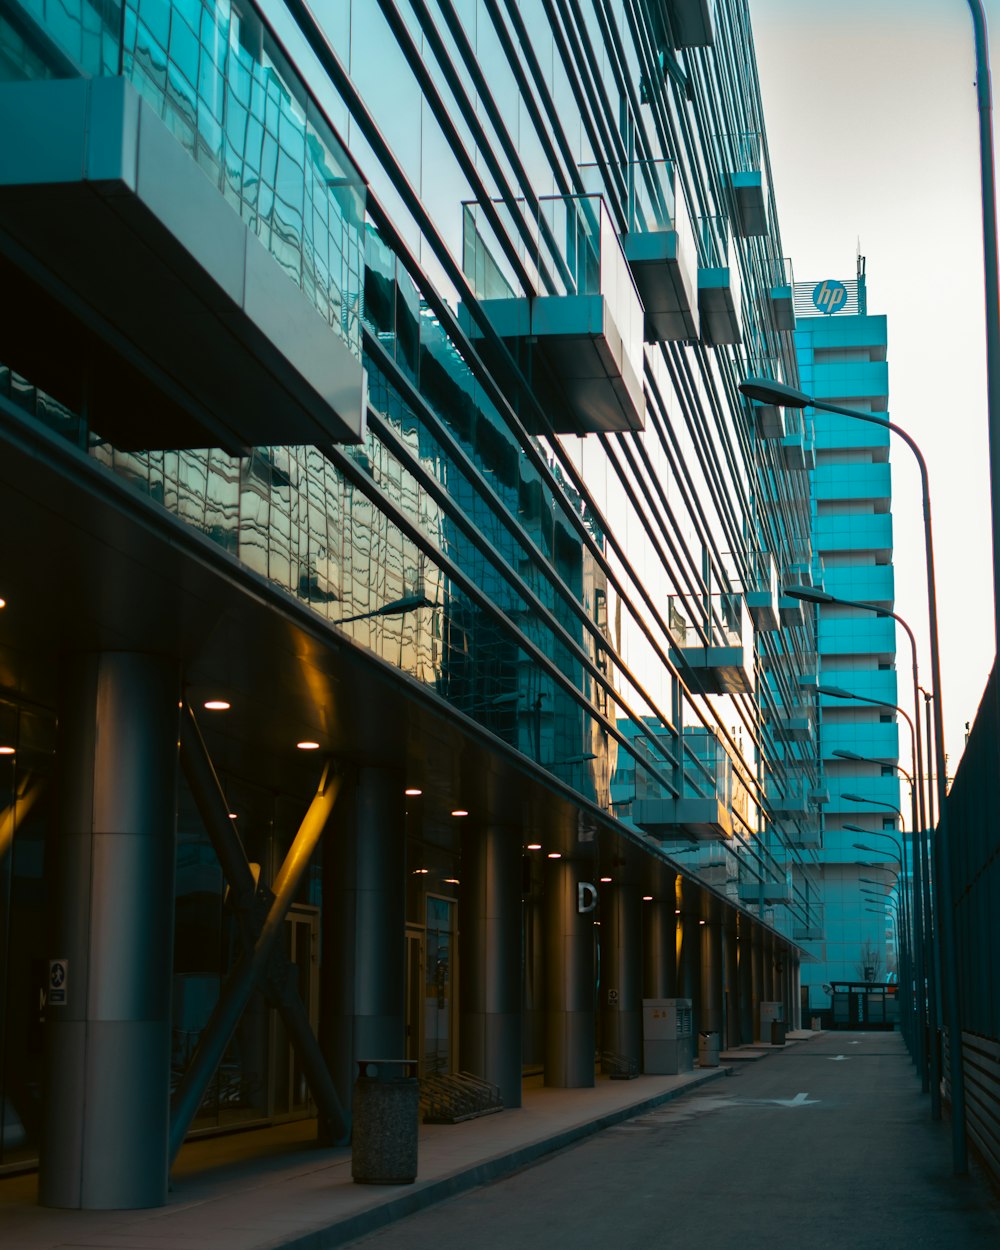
[826,1145]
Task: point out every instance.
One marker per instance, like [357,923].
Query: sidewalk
[276,1188]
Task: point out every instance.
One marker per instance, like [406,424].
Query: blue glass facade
[543,583]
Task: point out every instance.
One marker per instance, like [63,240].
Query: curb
[420,1196]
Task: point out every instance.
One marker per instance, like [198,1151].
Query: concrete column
[689,963]
[796,975]
[112,862]
[730,980]
[711,974]
[490,959]
[569,981]
[659,953]
[759,992]
[363,974]
[744,981]
[621,971]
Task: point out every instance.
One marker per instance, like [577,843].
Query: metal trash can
[385,1111]
[708,1050]
[777,1032]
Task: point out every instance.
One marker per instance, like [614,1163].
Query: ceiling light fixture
[8,750]
[412,792]
[460,811]
[307,746]
[555,855]
[534,846]
[647,898]
[216,705]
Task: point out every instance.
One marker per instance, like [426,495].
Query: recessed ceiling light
[3,603]
[452,881]
[534,846]
[555,855]
[460,811]
[605,880]
[647,898]
[420,872]
[677,911]
[232,815]
[412,792]
[8,750]
[307,746]
[217,705]
[701,922]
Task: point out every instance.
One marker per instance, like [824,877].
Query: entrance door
[439,1032]
[290,1092]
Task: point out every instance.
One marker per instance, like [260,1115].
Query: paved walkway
[276,1188]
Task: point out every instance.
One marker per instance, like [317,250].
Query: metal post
[659,962]
[991,284]
[243,979]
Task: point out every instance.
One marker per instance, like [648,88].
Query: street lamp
[810,594]
[766,390]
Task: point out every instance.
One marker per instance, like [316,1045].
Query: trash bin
[816,1024]
[708,1050]
[385,1110]
[777,1032]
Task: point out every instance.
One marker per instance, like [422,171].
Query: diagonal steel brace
[261,915]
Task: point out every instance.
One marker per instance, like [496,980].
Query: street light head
[838,692]
[810,594]
[767,391]
[853,755]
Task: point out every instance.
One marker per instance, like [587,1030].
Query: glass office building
[841,350]
[394,654]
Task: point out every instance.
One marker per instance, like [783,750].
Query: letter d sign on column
[586,897]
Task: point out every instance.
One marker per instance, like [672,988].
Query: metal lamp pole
[766,390]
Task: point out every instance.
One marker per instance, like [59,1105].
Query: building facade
[394,655]
[841,351]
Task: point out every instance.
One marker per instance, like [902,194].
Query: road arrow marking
[837,1058]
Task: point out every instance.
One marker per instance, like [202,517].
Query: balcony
[720,295]
[767,420]
[718,657]
[762,597]
[859,634]
[584,335]
[712,792]
[789,798]
[868,583]
[771,890]
[781,296]
[792,612]
[872,738]
[853,381]
[741,161]
[796,722]
[661,251]
[691,22]
[207,242]
[855,532]
[849,482]
[797,443]
[874,683]
[807,836]
[810,930]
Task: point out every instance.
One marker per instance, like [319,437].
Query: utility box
[770,1013]
[667,1036]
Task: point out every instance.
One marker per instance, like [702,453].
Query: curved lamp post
[766,390]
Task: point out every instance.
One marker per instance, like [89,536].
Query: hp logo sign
[829,297]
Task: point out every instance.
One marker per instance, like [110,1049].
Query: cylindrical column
[744,981]
[621,972]
[759,993]
[107,1019]
[363,972]
[659,955]
[711,976]
[689,963]
[569,981]
[731,981]
[490,959]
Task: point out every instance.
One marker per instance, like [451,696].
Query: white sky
[872,123]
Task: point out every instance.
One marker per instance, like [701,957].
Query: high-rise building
[394,660]
[841,351]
